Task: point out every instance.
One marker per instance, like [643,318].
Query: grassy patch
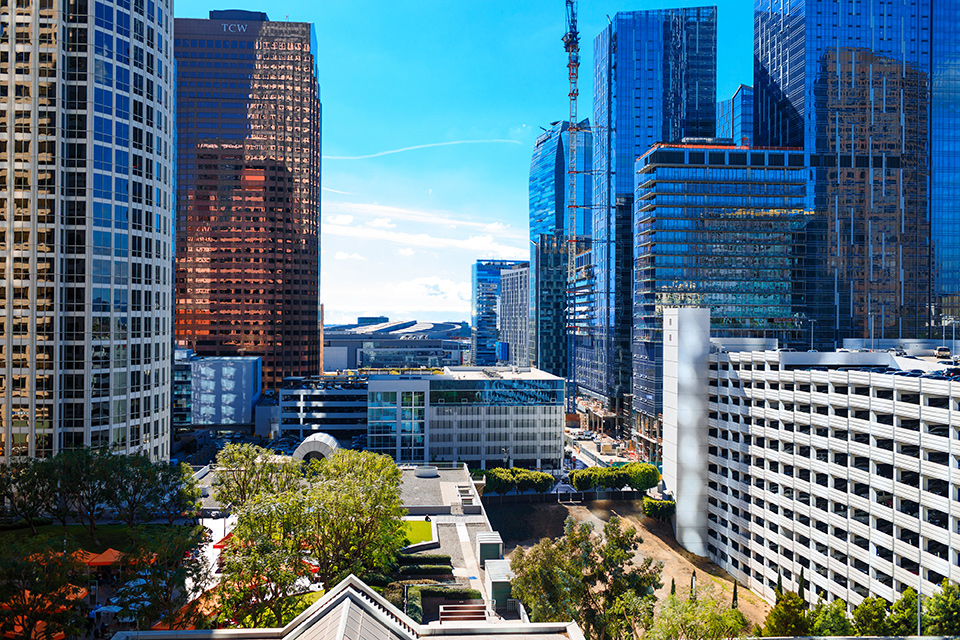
[116,536]
[418,531]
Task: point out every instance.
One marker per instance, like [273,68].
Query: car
[941,352]
[812,351]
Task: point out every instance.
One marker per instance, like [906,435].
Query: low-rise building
[334,404]
[841,465]
[214,391]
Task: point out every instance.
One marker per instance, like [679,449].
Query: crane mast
[571,42]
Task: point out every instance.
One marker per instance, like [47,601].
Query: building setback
[85,205]
[248,183]
[654,81]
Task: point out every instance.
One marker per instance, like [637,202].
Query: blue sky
[461,89]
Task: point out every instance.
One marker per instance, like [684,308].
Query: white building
[86,158]
[514,316]
[842,465]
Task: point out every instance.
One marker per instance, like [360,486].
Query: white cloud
[345,193]
[339,219]
[343,255]
[406,251]
[433,219]
[421,298]
[420,146]
[381,222]
[483,246]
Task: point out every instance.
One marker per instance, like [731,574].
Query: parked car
[942,352]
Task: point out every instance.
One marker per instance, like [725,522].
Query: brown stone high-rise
[248,191]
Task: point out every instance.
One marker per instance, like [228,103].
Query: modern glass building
[86,160]
[515,317]
[485,306]
[735,116]
[716,226]
[654,81]
[872,100]
[248,202]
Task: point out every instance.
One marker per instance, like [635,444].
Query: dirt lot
[525,524]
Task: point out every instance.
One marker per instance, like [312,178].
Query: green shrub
[659,509]
[423,558]
[415,604]
[450,593]
[22,524]
[426,570]
[377,580]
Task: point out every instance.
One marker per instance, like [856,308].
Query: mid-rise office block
[214,391]
[868,94]
[490,417]
[840,465]
[485,305]
[550,213]
[718,226]
[654,81]
[87,190]
[735,116]
[335,404]
[514,316]
[248,181]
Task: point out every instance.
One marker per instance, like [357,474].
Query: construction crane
[571,43]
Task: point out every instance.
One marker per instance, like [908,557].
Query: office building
[839,465]
[486,417]
[514,316]
[870,95]
[213,391]
[85,204]
[549,250]
[248,184]
[718,226]
[335,404]
[485,306]
[654,81]
[735,116]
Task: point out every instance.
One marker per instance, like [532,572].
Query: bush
[659,509]
[450,593]
[501,480]
[424,558]
[377,580]
[22,524]
[426,570]
[415,604]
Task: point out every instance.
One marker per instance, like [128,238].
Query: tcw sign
[234,28]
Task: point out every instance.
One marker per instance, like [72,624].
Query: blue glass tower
[548,238]
[485,308]
[735,116]
[867,92]
[654,81]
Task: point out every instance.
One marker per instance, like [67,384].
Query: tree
[735,603]
[56,500]
[24,487]
[177,493]
[498,480]
[870,617]
[134,489]
[802,589]
[943,611]
[87,474]
[700,618]
[173,575]
[39,599]
[830,619]
[246,470]
[788,617]
[542,482]
[589,578]
[902,620]
[354,520]
[640,475]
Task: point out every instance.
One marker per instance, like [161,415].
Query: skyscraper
[872,102]
[248,184]
[654,81]
[485,307]
[735,116]
[85,203]
[514,317]
[549,214]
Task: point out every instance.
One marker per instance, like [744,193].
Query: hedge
[500,480]
[415,604]
[639,476]
[426,570]
[377,580]
[23,524]
[425,558]
[659,509]
[451,593]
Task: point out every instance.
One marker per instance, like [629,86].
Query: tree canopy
[245,471]
[700,618]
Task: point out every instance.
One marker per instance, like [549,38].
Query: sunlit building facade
[87,189]
[485,305]
[248,191]
[654,81]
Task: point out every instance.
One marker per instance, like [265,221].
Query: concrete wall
[686,347]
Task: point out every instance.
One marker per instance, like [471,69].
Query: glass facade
[867,95]
[654,81]
[735,116]
[515,317]
[485,307]
[549,191]
[715,226]
[86,192]
[248,191]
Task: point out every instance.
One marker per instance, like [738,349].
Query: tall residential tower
[86,165]
[248,185]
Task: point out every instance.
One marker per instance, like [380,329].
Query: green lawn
[418,531]
[116,536]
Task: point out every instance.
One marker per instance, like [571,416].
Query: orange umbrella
[105,559]
[207,605]
[37,632]
[222,544]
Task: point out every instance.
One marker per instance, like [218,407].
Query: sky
[430,113]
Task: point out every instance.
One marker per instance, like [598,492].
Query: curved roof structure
[318,445]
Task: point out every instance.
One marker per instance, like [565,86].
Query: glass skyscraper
[717,226]
[735,116]
[86,160]
[654,81]
[485,307]
[549,250]
[872,100]
[248,185]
